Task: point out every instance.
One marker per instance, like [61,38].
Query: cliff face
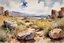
[57,14]
[61,13]
[6,13]
[54,14]
[1,10]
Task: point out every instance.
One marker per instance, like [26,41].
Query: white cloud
[33,7]
[56,6]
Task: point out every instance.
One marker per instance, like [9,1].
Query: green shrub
[20,29]
[60,23]
[46,31]
[20,23]
[3,36]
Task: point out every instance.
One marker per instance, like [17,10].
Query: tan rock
[43,40]
[56,33]
[54,14]
[40,33]
[61,13]
[1,10]
[25,35]
[6,13]
[12,41]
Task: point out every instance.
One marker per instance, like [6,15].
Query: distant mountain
[14,13]
[19,14]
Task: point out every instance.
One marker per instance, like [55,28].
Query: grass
[43,25]
[2,35]
[61,23]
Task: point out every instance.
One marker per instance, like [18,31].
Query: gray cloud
[50,3]
[5,2]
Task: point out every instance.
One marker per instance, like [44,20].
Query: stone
[61,13]
[54,25]
[25,35]
[40,33]
[10,24]
[56,33]
[54,14]
[43,40]
[12,41]
[6,13]
[49,16]
[1,10]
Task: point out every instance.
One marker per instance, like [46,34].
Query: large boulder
[56,33]
[10,24]
[6,13]
[1,10]
[54,14]
[25,35]
[61,13]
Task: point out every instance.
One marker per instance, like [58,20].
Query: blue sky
[37,7]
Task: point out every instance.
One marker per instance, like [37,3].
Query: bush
[2,36]
[60,23]
[46,30]
[20,23]
[20,29]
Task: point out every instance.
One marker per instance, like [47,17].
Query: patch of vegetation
[60,23]
[3,36]
[19,29]
[20,23]
[47,30]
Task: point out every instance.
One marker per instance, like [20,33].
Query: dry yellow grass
[2,18]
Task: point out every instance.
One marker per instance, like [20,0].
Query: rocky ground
[31,30]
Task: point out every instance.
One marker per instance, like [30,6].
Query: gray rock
[26,35]
[10,24]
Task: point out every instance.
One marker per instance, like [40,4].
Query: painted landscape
[31,21]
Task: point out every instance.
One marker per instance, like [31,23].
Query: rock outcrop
[54,14]
[6,13]
[57,14]
[1,10]
[61,13]
[56,33]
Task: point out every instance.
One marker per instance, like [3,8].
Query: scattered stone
[61,13]
[40,33]
[54,14]
[1,10]
[54,25]
[25,35]
[10,24]
[12,41]
[56,33]
[6,13]
[43,40]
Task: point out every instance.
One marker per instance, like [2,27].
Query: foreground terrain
[31,30]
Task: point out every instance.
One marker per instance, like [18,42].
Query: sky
[37,7]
